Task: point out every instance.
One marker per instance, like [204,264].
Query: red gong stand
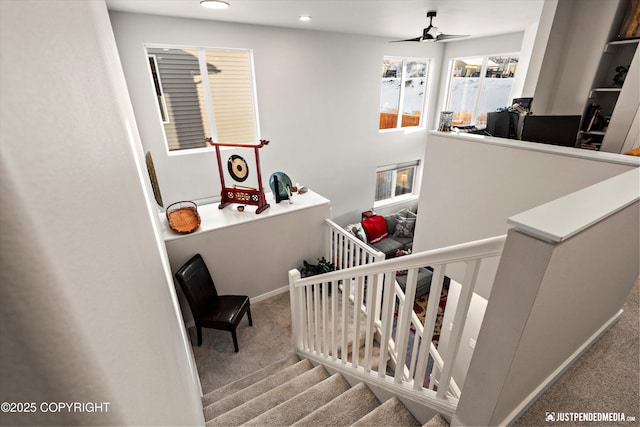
[238,193]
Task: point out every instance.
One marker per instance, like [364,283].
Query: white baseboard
[555,375]
[269,294]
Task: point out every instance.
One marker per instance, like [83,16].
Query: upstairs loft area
[608,121]
[518,123]
[559,130]
[554,130]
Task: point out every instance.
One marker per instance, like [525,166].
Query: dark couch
[399,232]
[399,228]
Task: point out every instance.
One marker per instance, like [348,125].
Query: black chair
[209,309]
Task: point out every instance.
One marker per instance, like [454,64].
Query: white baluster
[459,319]
[435,291]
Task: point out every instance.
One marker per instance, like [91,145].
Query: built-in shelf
[603,95]
[593,132]
[615,90]
[606,89]
[620,42]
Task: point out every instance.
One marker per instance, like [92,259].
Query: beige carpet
[264,343]
[605,379]
[311,398]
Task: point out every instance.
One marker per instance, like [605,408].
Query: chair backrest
[197,284]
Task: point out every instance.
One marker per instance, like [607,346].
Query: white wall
[535,46]
[566,270]
[472,184]
[574,46]
[258,250]
[318,101]
[87,305]
[456,207]
[573,300]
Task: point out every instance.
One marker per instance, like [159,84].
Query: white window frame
[427,80]
[485,59]
[209,107]
[415,165]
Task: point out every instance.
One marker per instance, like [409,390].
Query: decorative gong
[239,172]
[238,168]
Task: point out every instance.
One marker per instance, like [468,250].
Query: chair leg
[249,316]
[235,340]
[199,331]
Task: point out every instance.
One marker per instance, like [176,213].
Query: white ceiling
[393,19]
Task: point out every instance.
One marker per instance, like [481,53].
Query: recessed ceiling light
[214,4]
[304,18]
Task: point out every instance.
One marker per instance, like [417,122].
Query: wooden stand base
[244,197]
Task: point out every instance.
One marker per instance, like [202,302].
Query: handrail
[485,248]
[346,250]
[613,194]
[330,309]
[352,238]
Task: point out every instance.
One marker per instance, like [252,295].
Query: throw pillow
[405,213]
[375,228]
[392,221]
[357,230]
[405,227]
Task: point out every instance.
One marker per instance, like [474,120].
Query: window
[480,85]
[393,181]
[404,83]
[204,93]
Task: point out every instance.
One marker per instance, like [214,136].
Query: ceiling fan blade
[430,34]
[415,39]
[451,36]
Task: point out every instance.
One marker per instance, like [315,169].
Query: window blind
[219,104]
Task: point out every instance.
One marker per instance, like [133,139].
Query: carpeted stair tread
[437,421]
[390,413]
[303,404]
[345,409]
[250,379]
[265,401]
[254,390]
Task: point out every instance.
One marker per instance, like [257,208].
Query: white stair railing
[339,314]
[346,250]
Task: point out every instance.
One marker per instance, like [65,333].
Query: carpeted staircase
[294,392]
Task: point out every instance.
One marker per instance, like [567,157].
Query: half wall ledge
[567,216]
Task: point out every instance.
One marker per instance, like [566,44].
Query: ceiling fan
[431,34]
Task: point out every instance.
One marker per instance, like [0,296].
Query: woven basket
[183,217]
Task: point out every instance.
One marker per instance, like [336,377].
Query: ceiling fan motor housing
[431,34]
